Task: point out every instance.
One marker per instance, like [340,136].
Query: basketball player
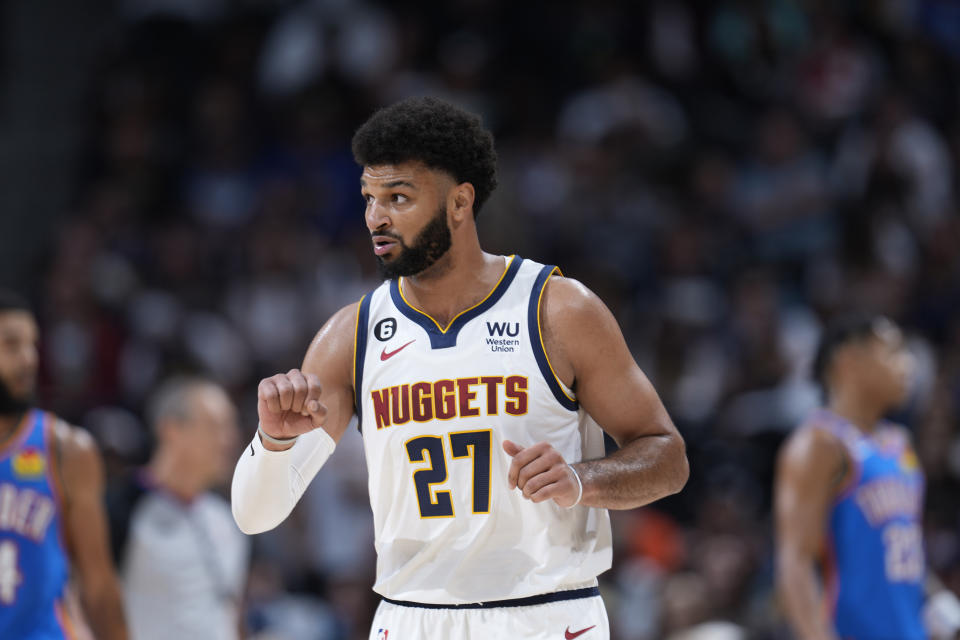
[479,382]
[849,495]
[52,522]
[183,561]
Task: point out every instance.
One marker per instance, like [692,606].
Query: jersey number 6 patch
[430,449]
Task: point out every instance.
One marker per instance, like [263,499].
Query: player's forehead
[410,174]
[16,324]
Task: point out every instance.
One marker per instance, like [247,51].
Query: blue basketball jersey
[874,566]
[33,563]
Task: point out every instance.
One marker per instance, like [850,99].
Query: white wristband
[579,487]
[280,442]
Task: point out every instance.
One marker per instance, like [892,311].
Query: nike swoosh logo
[251,449]
[385,355]
[570,635]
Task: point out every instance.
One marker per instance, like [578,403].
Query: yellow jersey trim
[560,383]
[454,319]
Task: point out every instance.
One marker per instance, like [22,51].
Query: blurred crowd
[726,175]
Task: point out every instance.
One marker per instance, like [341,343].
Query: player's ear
[845,360]
[460,202]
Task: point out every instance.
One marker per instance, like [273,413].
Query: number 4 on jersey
[463,444]
[10,576]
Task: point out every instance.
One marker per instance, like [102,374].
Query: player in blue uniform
[849,497]
[52,522]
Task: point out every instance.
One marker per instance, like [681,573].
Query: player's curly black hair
[436,133]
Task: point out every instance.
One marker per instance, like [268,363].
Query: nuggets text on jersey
[447,399]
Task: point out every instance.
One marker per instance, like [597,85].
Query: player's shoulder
[72,438]
[333,345]
[342,323]
[577,328]
[812,445]
[75,447]
[571,312]
[568,289]
[813,435]
[568,297]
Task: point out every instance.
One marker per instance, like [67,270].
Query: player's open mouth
[383,244]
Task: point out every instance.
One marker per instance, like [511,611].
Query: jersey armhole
[54,452]
[842,480]
[359,354]
[849,475]
[566,400]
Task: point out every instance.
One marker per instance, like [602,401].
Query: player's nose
[376,217]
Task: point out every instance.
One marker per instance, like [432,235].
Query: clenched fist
[541,473]
[289,404]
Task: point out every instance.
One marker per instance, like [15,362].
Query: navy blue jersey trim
[359,355]
[440,339]
[558,596]
[533,322]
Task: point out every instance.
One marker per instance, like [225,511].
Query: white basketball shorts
[560,617]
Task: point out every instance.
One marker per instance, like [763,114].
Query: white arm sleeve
[267,484]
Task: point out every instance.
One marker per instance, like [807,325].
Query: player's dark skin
[582,339]
[865,379]
[81,477]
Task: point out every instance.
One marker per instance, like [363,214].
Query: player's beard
[428,247]
[11,405]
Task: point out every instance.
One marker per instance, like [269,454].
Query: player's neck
[173,477]
[863,414]
[8,425]
[465,278]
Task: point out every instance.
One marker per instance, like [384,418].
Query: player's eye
[399,198]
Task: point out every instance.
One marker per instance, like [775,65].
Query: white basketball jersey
[435,405]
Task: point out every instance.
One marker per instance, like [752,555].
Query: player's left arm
[85,526]
[588,353]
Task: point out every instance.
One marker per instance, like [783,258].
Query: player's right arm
[85,526]
[809,468]
[313,403]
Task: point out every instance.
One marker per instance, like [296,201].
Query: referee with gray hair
[183,560]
